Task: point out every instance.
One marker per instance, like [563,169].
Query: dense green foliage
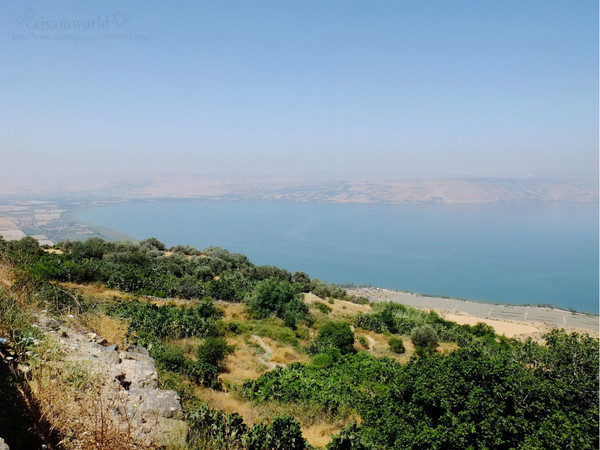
[164,321]
[150,324]
[281,298]
[425,339]
[147,269]
[336,335]
[396,345]
[216,429]
[396,318]
[503,395]
[213,351]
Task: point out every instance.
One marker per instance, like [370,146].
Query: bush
[323,307]
[216,429]
[396,345]
[169,358]
[303,281]
[275,297]
[213,351]
[282,433]
[363,341]
[333,335]
[425,339]
[322,360]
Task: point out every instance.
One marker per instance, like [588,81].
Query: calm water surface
[513,253]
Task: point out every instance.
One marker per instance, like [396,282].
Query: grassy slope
[250,360]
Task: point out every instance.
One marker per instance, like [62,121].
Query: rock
[110,355]
[91,336]
[130,385]
[49,323]
[160,403]
[136,353]
[3,445]
[142,374]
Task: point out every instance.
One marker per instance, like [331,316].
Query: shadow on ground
[21,425]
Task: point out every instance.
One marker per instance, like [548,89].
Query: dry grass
[287,355]
[319,435]
[55,251]
[113,329]
[341,310]
[97,290]
[230,403]
[233,311]
[381,347]
[245,363]
[6,277]
[447,347]
[189,345]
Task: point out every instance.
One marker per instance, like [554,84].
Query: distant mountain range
[360,189]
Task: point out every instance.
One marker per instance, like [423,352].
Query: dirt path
[268,352]
[371,341]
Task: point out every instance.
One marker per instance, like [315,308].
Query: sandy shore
[510,320]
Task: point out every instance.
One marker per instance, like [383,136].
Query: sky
[461,87]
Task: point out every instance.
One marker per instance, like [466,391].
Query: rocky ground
[105,390]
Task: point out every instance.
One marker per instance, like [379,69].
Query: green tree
[303,280]
[275,297]
[153,243]
[93,248]
[425,339]
[213,351]
[333,335]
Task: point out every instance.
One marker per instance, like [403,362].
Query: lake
[509,253]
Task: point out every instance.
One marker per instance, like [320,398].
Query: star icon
[120,19]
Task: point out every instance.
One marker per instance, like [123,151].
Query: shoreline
[537,318]
[71,216]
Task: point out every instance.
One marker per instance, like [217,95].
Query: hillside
[148,346]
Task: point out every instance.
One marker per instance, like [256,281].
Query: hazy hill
[324,188]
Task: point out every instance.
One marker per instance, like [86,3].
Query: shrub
[275,297]
[333,334]
[322,360]
[396,345]
[169,358]
[282,433]
[363,341]
[213,351]
[425,339]
[303,280]
[323,307]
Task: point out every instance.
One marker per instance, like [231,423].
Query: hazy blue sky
[453,86]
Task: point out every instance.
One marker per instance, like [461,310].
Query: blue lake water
[511,253]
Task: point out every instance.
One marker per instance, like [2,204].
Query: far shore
[507,319]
